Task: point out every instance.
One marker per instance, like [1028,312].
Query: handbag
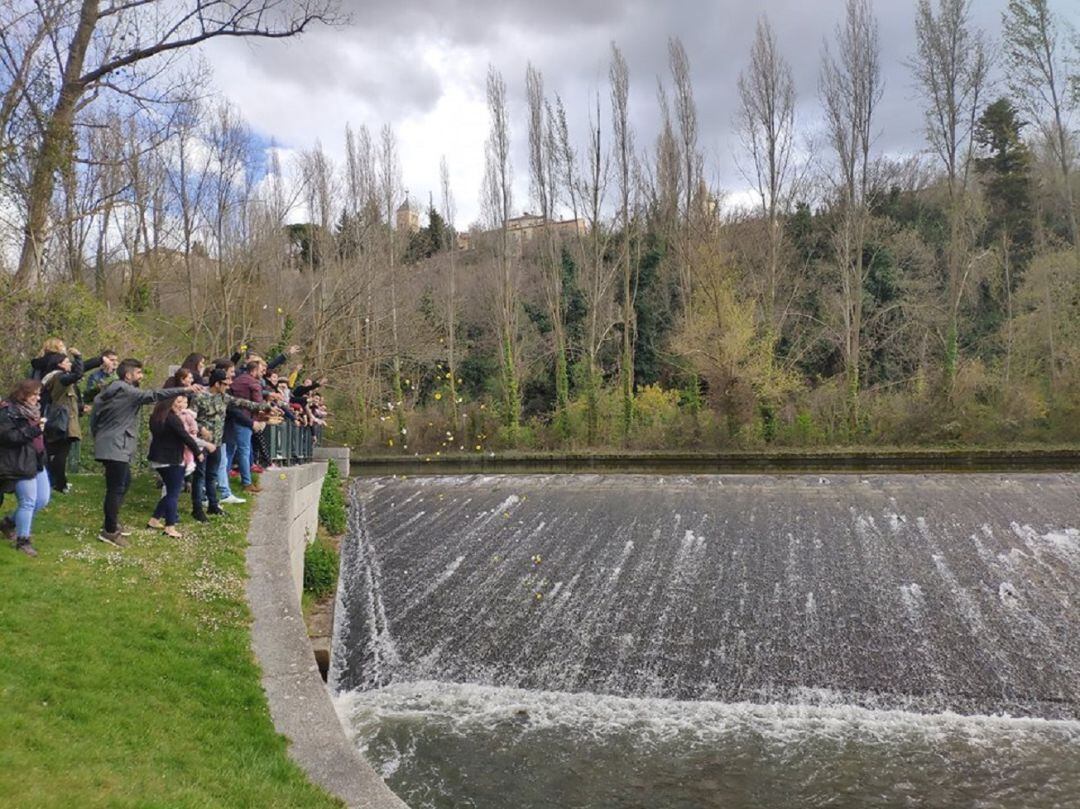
[57,421]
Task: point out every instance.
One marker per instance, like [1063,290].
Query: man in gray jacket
[114,423]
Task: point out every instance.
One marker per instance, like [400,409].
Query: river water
[447,746]
[715,641]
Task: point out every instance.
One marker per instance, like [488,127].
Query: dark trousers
[56,454]
[260,453]
[204,482]
[168,507]
[117,480]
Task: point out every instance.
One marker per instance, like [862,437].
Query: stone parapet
[284,520]
[338,455]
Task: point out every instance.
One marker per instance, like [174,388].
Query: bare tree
[318,175]
[1036,53]
[585,183]
[360,234]
[390,186]
[766,125]
[228,139]
[500,179]
[950,69]
[691,179]
[543,176]
[850,92]
[619,76]
[92,49]
[188,179]
[448,214]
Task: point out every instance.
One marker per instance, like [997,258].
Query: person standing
[22,461]
[225,494]
[210,410]
[239,426]
[168,440]
[62,431]
[114,424]
[102,377]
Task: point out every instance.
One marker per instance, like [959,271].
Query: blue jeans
[242,453]
[168,506]
[204,481]
[33,496]
[223,472]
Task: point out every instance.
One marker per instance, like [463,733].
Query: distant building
[523,229]
[408,217]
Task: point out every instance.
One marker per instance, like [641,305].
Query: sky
[422,67]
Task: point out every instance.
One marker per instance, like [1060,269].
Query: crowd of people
[208,418]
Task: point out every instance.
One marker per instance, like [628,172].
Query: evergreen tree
[1005,167]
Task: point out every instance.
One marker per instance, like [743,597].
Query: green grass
[126,677]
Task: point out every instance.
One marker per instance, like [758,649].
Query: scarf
[30,413]
[33,415]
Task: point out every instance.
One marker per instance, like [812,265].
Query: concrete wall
[339,455]
[285,516]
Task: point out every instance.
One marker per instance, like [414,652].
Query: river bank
[127,676]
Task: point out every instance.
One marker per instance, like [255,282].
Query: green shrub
[332,502]
[320,568]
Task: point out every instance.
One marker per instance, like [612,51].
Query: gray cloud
[378,63]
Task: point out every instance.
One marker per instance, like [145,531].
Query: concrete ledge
[339,455]
[299,702]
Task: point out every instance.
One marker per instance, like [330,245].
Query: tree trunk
[54,149]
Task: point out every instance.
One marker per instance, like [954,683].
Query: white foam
[472,708]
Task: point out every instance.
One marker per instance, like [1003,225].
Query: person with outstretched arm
[210,408]
[114,424]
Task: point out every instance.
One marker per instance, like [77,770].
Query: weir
[925,593]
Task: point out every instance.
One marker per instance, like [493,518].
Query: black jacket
[167,441]
[18,458]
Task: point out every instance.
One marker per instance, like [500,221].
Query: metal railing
[288,443]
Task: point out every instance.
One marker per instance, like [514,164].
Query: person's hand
[74,352]
[210,447]
[85,409]
[294,350]
[196,389]
[259,426]
[205,433]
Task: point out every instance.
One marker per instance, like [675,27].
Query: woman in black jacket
[168,440]
[22,461]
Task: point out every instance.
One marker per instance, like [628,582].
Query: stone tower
[408,218]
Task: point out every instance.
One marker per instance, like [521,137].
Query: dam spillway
[925,593]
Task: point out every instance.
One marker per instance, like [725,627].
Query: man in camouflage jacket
[210,413]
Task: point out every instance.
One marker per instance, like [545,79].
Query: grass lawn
[126,676]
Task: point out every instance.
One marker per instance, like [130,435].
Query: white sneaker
[232,499]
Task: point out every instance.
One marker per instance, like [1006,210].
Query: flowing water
[697,641]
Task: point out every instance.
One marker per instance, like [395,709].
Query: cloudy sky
[421,66]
